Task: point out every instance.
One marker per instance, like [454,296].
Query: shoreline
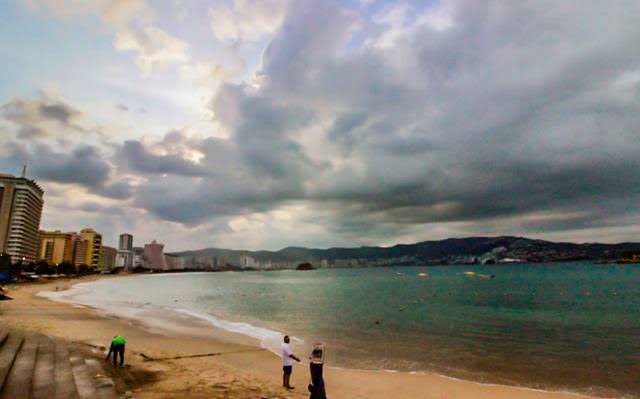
[242,367]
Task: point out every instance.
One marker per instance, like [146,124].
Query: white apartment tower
[21,202]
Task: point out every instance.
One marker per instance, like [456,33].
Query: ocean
[562,326]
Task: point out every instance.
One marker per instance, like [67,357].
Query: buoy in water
[422,274]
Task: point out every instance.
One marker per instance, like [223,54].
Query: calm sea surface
[557,326]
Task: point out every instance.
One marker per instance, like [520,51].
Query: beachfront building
[125,255]
[57,247]
[138,257]
[126,242]
[154,256]
[21,202]
[219,261]
[174,262]
[94,247]
[247,262]
[79,249]
[108,259]
[125,259]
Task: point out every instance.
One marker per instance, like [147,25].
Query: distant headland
[452,251]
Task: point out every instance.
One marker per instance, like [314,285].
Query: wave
[80,295]
[269,339]
[68,294]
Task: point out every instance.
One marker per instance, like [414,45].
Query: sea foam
[80,294]
[269,339]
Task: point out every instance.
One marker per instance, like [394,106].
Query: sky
[261,124]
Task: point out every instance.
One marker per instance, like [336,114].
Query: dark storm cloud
[233,188]
[93,207]
[59,111]
[141,160]
[31,132]
[492,118]
[199,201]
[264,142]
[41,116]
[344,129]
[515,109]
[525,111]
[117,190]
[84,165]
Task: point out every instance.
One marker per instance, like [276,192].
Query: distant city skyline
[248,124]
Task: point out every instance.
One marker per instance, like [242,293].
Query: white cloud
[223,23]
[400,20]
[201,73]
[438,18]
[156,48]
[119,13]
[132,23]
[246,19]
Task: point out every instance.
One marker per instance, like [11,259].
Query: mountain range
[505,249]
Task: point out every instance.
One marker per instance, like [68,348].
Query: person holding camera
[316,363]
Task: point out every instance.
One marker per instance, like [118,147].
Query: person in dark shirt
[316,364]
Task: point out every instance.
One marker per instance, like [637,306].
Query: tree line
[42,267]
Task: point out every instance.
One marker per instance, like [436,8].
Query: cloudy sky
[260,124]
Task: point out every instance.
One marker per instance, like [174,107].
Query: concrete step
[65,386]
[18,383]
[104,385]
[8,353]
[34,366]
[43,376]
[84,381]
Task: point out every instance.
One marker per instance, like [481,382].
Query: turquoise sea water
[557,326]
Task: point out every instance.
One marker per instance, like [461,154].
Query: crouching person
[117,347]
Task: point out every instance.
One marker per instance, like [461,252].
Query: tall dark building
[21,202]
[126,242]
[125,254]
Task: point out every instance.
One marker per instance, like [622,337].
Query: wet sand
[235,366]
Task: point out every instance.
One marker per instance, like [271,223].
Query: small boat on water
[422,274]
[479,276]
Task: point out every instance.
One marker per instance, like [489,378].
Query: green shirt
[119,340]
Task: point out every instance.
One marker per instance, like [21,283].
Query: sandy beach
[234,366]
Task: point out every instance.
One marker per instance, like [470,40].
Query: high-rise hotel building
[57,247]
[21,202]
[125,251]
[126,242]
[94,246]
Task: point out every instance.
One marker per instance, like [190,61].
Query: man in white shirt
[287,363]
